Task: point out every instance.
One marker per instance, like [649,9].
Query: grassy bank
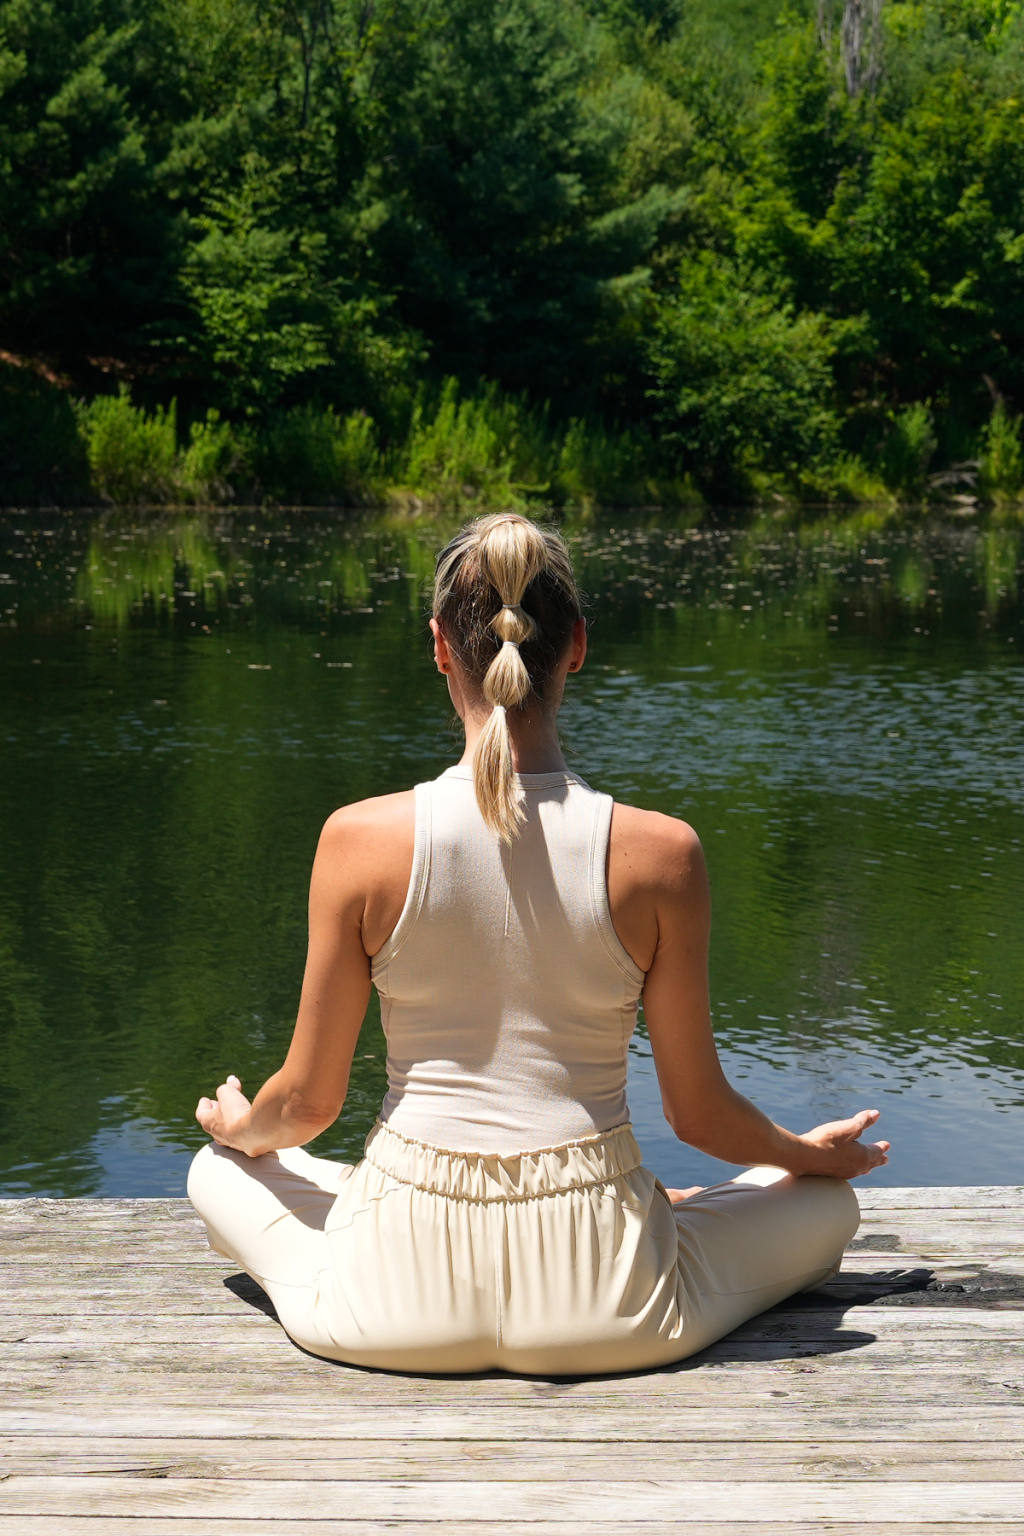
[442,449]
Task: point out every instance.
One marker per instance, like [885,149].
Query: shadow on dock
[775,1339]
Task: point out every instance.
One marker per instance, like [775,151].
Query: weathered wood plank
[940,1197]
[145,1525]
[807,1404]
[805,1407]
[43,1208]
[865,1259]
[991,1378]
[836,1326]
[156,1251]
[168,1245]
[759,1420]
[254,1360]
[246,1328]
[600,1501]
[234,1346]
[998,1232]
[168,1289]
[312,1460]
[960,1286]
[206,1412]
[994,1375]
[721,1390]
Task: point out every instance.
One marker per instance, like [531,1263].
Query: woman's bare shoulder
[379,816]
[364,862]
[661,850]
[656,878]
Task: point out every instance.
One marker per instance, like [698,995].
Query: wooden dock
[146,1390]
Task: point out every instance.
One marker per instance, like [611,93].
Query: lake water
[838,709]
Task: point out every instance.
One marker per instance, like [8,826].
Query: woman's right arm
[360,878]
[700,1104]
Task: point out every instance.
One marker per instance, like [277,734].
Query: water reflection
[836,708]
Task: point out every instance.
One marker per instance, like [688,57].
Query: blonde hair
[505,582]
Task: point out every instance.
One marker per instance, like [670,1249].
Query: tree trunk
[851,41]
[859,16]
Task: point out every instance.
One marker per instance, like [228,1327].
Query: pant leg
[747,1244]
[267,1215]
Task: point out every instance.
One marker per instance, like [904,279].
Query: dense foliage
[532,248]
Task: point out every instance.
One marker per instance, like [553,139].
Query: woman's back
[507,999]
[501,1215]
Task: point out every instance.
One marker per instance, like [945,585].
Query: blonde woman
[510,918]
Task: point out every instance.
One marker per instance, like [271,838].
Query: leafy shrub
[843,479]
[214,463]
[484,448]
[491,448]
[741,383]
[464,449]
[132,455]
[594,465]
[1002,456]
[907,450]
[317,457]
[41,455]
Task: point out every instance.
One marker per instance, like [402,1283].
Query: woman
[510,918]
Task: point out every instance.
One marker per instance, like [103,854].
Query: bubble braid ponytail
[485,576]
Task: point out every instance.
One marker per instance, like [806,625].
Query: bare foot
[676,1196]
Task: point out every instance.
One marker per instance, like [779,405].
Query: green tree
[742,383]
[87,255]
[901,210]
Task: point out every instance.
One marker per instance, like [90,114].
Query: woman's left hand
[226,1118]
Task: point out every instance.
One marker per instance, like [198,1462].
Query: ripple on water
[838,710]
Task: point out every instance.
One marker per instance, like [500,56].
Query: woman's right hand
[226,1118]
[837,1151]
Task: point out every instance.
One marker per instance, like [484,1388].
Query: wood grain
[242,1364]
[143,1395]
[487,1461]
[86,1525]
[941,1197]
[244,1327]
[752,1424]
[597,1500]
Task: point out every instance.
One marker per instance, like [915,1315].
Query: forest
[543,252]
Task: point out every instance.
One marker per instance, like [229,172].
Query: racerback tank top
[507,999]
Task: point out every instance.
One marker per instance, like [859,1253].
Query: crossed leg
[267,1214]
[748,1243]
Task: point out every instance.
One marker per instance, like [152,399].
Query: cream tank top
[507,999]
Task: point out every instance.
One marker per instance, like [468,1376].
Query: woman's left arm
[307,1094]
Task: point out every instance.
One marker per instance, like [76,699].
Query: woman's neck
[535,744]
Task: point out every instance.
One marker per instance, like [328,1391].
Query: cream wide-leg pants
[565,1261]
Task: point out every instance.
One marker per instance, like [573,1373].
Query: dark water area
[837,708]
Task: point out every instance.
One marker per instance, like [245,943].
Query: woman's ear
[578,650]
[442,653]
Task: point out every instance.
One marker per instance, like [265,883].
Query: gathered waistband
[486,1176]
